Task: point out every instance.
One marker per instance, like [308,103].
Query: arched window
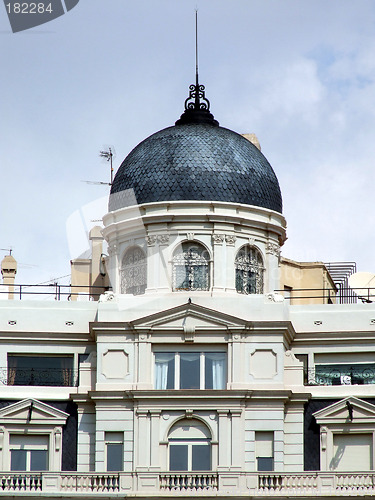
[249,270]
[191,267]
[189,446]
[134,271]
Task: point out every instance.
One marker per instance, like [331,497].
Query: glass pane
[265,463]
[164,370]
[38,459]
[178,457]
[18,460]
[114,457]
[189,371]
[215,377]
[201,457]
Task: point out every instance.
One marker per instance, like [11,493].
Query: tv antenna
[10,249]
[108,154]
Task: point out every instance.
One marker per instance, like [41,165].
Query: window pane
[189,371]
[38,460]
[201,457]
[164,370]
[178,457]
[114,457]
[215,377]
[18,460]
[40,370]
[265,463]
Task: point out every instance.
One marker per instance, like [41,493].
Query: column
[230,241]
[143,440]
[224,440]
[238,439]
[155,438]
[218,250]
[272,274]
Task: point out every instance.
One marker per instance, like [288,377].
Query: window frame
[114,438]
[140,265]
[180,257]
[190,443]
[29,448]
[258,446]
[202,367]
[249,264]
[69,373]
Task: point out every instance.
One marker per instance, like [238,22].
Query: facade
[201,370]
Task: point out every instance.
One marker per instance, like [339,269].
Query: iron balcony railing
[341,374]
[53,291]
[327,295]
[52,377]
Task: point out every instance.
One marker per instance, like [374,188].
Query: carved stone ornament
[163,239]
[107,297]
[273,249]
[230,239]
[190,236]
[188,413]
[151,240]
[217,239]
[112,249]
[275,297]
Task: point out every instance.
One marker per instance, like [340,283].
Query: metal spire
[197,106]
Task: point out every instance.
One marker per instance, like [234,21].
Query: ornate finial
[197,106]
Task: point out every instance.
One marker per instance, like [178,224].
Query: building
[202,371]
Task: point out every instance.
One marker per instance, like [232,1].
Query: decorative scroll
[191,268]
[249,270]
[197,98]
[134,272]
[342,374]
[52,377]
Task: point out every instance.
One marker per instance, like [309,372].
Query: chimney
[9,270]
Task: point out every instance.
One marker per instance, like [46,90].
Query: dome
[196,160]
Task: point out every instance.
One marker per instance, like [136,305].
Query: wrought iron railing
[52,291]
[327,296]
[344,374]
[62,377]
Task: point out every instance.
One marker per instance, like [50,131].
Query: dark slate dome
[196,160]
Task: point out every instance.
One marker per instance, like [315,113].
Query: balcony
[165,484]
[341,374]
[42,377]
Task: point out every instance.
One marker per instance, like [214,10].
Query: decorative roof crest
[197,106]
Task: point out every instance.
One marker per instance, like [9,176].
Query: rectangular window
[114,442]
[190,370]
[352,452]
[264,450]
[40,370]
[28,452]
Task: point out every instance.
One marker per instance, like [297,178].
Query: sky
[300,74]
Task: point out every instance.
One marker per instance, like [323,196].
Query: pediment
[32,411]
[341,411]
[189,317]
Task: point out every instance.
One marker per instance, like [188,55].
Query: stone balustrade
[138,484]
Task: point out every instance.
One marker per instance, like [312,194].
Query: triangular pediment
[350,409]
[189,317]
[32,411]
